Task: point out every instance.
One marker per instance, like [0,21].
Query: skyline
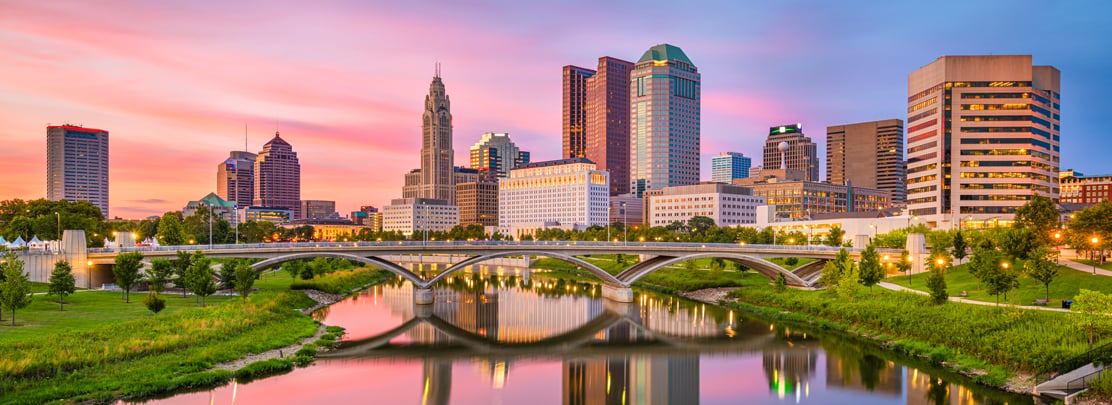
[344,97]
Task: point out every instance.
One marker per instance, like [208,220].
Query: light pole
[873,227]
[1058,246]
[625,224]
[59,225]
[1093,256]
[235,220]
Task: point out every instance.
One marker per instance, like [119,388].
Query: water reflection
[537,340]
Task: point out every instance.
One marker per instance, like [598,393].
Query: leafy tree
[959,246]
[307,272]
[245,279]
[1018,242]
[321,266]
[1095,308]
[781,283]
[1000,279]
[127,271]
[936,280]
[1040,216]
[294,268]
[690,265]
[62,282]
[154,303]
[791,261]
[160,273]
[181,264]
[904,265]
[984,264]
[848,286]
[199,277]
[871,270]
[171,232]
[1040,267]
[228,274]
[700,224]
[833,271]
[15,290]
[834,237]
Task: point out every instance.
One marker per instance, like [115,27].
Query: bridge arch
[374,261]
[607,278]
[764,267]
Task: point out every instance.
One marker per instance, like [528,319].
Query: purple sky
[345,81]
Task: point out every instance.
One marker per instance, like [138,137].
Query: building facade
[409,215]
[796,199]
[664,120]
[219,206]
[868,154]
[235,178]
[269,214]
[318,209]
[726,204]
[478,202]
[77,165]
[728,166]
[983,137]
[801,154]
[1080,189]
[278,176]
[434,180]
[568,192]
[496,152]
[607,130]
[573,126]
[627,209]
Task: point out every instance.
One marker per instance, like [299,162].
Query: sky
[179,84]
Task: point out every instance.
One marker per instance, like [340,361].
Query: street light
[1058,245]
[1092,256]
[59,224]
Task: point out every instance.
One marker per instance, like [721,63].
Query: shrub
[154,303]
[308,350]
[263,368]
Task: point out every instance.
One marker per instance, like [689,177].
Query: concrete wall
[39,265]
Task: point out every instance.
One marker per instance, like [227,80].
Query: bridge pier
[619,294]
[422,296]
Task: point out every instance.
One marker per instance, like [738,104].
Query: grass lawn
[1068,283]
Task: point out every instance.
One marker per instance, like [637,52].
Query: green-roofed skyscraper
[664,120]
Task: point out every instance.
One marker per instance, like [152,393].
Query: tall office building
[983,137]
[318,209]
[235,178]
[728,166]
[77,165]
[801,153]
[575,111]
[868,154]
[434,180]
[278,177]
[497,153]
[478,202]
[607,129]
[664,120]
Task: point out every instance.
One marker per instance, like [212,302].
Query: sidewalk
[1084,268]
[895,287]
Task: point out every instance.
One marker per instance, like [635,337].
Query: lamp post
[59,224]
[625,222]
[1058,246]
[1093,256]
[873,227]
[89,275]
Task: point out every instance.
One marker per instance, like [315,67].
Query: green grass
[670,279]
[1068,283]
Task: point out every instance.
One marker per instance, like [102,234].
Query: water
[536,340]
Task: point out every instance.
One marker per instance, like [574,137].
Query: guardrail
[1101,354]
[358,244]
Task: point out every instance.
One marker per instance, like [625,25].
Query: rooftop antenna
[438,69]
[245,138]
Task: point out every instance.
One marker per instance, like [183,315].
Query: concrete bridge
[655,256]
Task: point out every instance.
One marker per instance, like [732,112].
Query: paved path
[1086,268]
[895,287]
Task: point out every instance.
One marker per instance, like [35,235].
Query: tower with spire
[435,178]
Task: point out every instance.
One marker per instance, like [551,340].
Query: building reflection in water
[436,382]
[850,368]
[789,363]
[645,379]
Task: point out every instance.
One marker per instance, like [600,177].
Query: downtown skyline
[175,93]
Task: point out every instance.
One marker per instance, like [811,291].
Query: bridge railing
[359,244]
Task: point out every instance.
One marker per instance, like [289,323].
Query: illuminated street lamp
[1092,256]
[1058,244]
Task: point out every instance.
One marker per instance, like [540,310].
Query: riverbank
[322,299]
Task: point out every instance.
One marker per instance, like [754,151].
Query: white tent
[18,243]
[3,242]
[36,244]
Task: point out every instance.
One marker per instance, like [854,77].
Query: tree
[62,282]
[1018,242]
[245,279]
[1000,279]
[848,286]
[936,280]
[294,268]
[154,303]
[171,232]
[781,283]
[199,277]
[834,237]
[15,290]
[160,273]
[228,274]
[833,271]
[791,261]
[126,271]
[904,265]
[984,263]
[181,264]
[1095,308]
[1040,267]
[700,224]
[1040,216]
[959,246]
[871,270]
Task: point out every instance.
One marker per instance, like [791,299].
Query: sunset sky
[176,82]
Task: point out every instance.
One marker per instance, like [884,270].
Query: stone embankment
[709,295]
[323,299]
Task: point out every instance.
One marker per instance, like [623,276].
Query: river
[538,340]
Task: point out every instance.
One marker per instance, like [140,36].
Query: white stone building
[409,215]
[569,194]
[726,204]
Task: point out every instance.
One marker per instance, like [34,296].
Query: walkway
[895,287]
[1084,268]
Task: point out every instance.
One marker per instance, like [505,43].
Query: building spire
[437,69]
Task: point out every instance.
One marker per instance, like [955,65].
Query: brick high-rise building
[664,120]
[983,137]
[607,129]
[235,178]
[278,177]
[868,154]
[77,165]
[575,111]
[478,202]
[801,154]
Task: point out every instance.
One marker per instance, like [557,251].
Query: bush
[154,303]
[340,282]
[308,350]
[263,368]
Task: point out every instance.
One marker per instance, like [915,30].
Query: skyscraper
[77,165]
[664,120]
[575,111]
[235,178]
[607,129]
[496,152]
[728,166]
[435,177]
[983,137]
[802,154]
[868,154]
[278,177]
